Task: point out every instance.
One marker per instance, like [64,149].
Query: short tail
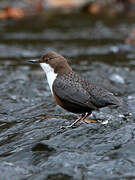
[113,100]
[121,104]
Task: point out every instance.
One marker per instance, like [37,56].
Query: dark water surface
[32,146]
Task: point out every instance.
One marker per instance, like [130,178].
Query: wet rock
[59,176]
[42,147]
[32,144]
[116,78]
[131,38]
[84,152]
[16,171]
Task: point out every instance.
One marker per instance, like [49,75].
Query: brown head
[57,62]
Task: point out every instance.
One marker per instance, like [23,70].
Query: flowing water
[32,145]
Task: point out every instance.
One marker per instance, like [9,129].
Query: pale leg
[86,115]
[75,122]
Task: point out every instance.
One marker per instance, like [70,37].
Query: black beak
[34,61]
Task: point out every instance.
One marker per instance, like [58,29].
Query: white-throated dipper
[72,92]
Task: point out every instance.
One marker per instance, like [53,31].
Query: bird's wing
[101,97]
[73,93]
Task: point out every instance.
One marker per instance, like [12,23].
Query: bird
[71,91]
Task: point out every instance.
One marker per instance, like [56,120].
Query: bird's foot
[82,118]
[73,125]
[87,121]
[66,127]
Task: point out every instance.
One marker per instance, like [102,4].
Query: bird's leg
[86,115]
[89,120]
[75,122]
[82,118]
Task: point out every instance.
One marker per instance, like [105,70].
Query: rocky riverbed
[32,145]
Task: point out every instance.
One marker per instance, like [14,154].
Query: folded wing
[73,93]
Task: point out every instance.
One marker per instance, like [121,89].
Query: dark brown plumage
[74,93]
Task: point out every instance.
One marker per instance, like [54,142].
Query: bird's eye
[47,59]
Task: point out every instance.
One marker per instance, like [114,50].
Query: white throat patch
[51,76]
